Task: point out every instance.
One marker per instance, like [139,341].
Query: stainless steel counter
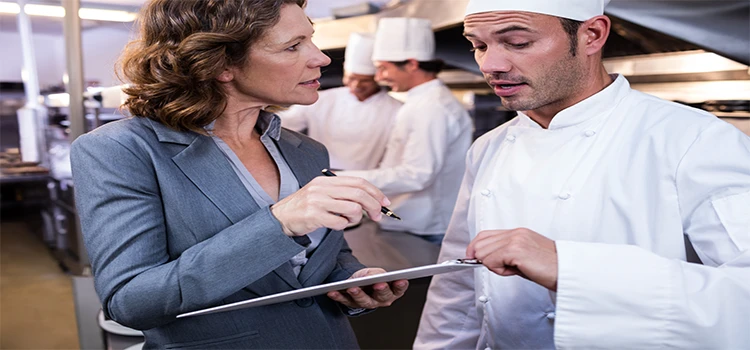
[390,250]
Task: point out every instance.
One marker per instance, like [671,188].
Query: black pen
[384,210]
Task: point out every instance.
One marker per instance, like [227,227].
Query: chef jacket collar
[423,88]
[594,106]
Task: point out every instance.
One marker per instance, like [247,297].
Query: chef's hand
[518,251]
[333,202]
[381,294]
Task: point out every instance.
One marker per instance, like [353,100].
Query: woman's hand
[333,202]
[381,294]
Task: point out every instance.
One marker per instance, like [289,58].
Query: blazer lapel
[286,273]
[325,254]
[305,168]
[205,165]
[302,164]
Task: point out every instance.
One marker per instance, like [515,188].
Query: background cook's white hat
[358,55]
[401,38]
[579,10]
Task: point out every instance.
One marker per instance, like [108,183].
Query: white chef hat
[579,10]
[402,38]
[358,55]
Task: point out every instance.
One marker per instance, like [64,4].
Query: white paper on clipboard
[405,274]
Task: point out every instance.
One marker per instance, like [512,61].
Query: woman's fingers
[356,182]
[377,295]
[333,202]
[362,198]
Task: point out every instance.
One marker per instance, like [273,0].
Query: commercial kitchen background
[692,51]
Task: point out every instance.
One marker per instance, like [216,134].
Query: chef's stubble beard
[557,83]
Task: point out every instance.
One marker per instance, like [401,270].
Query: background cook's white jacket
[616,180]
[354,132]
[424,161]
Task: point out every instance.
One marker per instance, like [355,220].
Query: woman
[201,199]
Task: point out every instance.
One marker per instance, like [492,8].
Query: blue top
[269,126]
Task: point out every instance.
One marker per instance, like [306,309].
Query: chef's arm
[634,298]
[449,319]
[623,296]
[423,157]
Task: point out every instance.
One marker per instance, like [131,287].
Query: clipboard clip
[469,261]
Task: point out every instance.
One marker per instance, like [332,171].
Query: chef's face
[526,58]
[361,86]
[283,67]
[395,76]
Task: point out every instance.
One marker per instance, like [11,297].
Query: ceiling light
[107,15]
[58,11]
[9,7]
[44,10]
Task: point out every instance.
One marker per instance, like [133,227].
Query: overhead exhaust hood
[639,27]
[672,48]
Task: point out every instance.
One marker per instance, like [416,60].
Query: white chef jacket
[424,161]
[354,132]
[616,181]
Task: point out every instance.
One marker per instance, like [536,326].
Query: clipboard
[405,274]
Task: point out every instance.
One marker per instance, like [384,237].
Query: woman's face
[283,67]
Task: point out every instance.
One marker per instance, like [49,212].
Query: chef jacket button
[550,315]
[483,299]
[564,196]
[486,193]
[511,138]
[589,133]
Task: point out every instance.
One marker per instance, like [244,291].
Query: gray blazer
[170,228]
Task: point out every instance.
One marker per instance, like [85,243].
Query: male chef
[577,207]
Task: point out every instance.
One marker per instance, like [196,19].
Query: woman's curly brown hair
[182,47]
